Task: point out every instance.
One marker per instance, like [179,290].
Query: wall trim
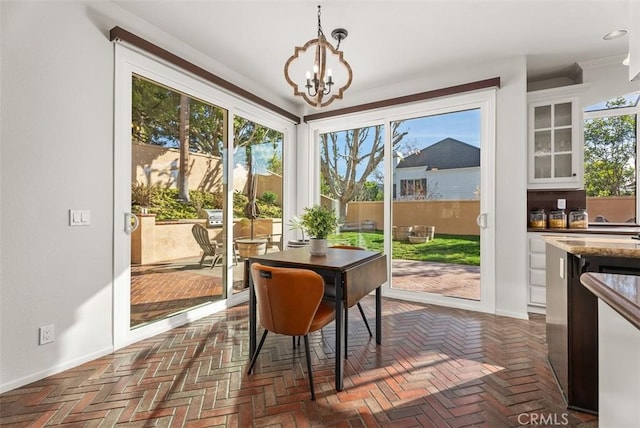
[54,370]
[117,33]
[450,90]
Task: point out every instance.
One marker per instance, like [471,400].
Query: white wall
[605,79]
[449,184]
[56,154]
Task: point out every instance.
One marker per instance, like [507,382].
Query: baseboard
[537,310]
[54,370]
[510,314]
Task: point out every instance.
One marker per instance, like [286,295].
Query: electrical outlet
[562,204]
[47,334]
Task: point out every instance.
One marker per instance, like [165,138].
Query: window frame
[620,111]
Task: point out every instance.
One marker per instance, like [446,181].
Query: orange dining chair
[289,301]
[330,294]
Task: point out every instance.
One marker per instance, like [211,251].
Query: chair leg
[202,259]
[255,356]
[364,318]
[215,260]
[294,341]
[306,349]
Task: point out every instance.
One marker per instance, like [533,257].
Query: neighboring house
[448,169]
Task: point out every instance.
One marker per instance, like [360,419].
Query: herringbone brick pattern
[437,367]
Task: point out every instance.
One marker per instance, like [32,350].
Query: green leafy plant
[296,224]
[142,195]
[319,221]
[269,197]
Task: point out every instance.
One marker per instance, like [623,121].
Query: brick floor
[161,289]
[437,367]
[446,279]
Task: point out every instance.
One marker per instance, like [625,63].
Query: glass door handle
[131,223]
[481,220]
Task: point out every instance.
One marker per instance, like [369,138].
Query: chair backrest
[347,247]
[202,236]
[287,299]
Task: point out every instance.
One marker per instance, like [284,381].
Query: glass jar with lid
[557,219]
[578,219]
[538,219]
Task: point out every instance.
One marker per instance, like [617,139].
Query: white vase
[318,246]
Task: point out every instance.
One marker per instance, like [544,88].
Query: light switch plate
[562,204]
[79,217]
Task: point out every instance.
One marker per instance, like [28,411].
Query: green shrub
[269,197]
[142,195]
[164,203]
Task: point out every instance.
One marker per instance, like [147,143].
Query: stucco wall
[448,217]
[159,165]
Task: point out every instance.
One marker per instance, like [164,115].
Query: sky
[463,126]
[423,132]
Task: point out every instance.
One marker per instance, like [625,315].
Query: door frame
[130,60]
[485,100]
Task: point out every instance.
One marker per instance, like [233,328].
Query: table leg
[379,315]
[252,311]
[340,333]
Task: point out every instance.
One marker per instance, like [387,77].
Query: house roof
[445,154]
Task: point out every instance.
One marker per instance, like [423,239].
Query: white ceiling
[393,40]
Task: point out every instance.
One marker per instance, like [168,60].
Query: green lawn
[460,249]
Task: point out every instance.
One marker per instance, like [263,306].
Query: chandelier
[329,69]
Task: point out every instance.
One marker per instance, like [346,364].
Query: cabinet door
[555,141]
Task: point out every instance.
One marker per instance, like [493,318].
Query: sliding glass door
[199,187]
[417,182]
[436,205]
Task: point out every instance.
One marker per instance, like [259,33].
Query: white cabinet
[537,270]
[536,292]
[555,138]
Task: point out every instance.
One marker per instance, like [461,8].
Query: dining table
[356,273]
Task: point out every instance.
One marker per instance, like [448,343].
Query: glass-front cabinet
[555,138]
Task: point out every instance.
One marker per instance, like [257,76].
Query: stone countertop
[621,292]
[624,246]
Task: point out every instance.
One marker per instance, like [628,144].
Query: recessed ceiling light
[614,34]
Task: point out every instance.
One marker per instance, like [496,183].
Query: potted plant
[319,222]
[296,224]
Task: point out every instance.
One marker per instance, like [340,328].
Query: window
[413,189]
[611,160]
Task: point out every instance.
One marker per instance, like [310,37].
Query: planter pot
[251,247]
[317,247]
[401,233]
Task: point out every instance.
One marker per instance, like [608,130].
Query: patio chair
[209,248]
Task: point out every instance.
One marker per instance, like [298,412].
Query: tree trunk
[183,171]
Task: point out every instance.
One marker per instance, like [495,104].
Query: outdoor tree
[161,116]
[183,167]
[247,135]
[609,154]
[348,159]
